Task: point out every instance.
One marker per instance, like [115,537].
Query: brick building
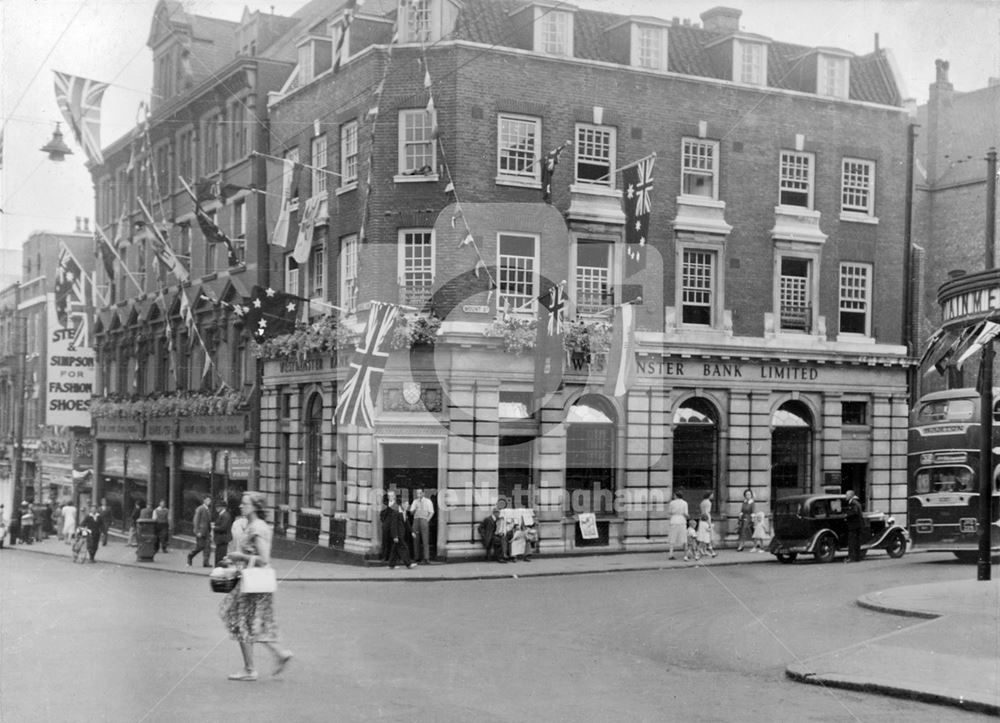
[957,128]
[173,416]
[46,372]
[770,343]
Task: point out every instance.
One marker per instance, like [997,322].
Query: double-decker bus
[943,473]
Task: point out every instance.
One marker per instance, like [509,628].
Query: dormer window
[649,46]
[832,75]
[749,62]
[553,31]
[427,21]
[315,58]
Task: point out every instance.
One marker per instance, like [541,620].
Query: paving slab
[953,657]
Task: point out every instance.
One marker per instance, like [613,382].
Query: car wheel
[786,558]
[896,547]
[825,549]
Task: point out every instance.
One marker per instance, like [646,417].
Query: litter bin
[146,539]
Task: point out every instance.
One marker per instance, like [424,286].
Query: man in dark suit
[93,524]
[202,532]
[383,520]
[855,523]
[222,532]
[494,538]
[400,534]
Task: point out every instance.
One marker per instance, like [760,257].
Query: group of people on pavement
[28,524]
[405,529]
[695,534]
[506,540]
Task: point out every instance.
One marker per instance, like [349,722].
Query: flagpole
[119,260]
[298,163]
[636,300]
[633,163]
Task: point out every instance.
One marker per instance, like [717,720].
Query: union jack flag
[70,295]
[79,99]
[637,181]
[357,402]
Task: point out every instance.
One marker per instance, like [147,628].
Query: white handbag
[258,579]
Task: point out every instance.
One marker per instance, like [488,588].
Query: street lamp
[983,571]
[56,148]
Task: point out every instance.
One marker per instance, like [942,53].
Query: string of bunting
[467,239]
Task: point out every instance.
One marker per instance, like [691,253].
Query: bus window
[944,479]
[941,410]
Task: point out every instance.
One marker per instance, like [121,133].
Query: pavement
[951,657]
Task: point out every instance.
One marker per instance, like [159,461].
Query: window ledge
[352,186]
[316,511]
[855,217]
[854,339]
[520,182]
[405,178]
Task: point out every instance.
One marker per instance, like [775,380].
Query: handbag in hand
[258,579]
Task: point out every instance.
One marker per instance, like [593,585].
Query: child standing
[704,535]
[692,542]
[759,532]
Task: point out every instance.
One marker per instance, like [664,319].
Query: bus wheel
[896,546]
[825,549]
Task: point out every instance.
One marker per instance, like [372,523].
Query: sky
[106,40]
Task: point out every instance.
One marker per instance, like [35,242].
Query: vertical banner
[69,379]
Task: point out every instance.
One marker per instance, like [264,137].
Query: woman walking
[746,519]
[249,617]
[677,510]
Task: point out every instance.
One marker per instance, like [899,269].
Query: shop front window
[590,456]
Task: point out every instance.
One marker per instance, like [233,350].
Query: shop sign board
[69,379]
[240,464]
[667,367]
[294,365]
[222,429]
[111,428]
[161,429]
[970,298]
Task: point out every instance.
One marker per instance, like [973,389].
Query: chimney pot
[76,229]
[721,19]
[86,224]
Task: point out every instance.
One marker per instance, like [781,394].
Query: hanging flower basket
[586,338]
[518,334]
[414,331]
[177,404]
[323,336]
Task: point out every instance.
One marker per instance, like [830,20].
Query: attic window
[749,62]
[315,58]
[649,47]
[553,31]
[832,75]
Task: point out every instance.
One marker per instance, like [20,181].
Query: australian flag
[637,181]
[269,313]
[549,332]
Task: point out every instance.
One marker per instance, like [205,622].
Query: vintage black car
[817,525]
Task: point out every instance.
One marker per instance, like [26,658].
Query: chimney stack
[77,229]
[721,19]
[86,224]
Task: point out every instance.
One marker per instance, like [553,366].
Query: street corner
[931,600]
[895,671]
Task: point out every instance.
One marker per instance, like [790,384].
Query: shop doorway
[407,467]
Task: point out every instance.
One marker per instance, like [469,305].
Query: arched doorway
[590,456]
[696,450]
[791,450]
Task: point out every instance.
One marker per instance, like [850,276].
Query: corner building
[770,341]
